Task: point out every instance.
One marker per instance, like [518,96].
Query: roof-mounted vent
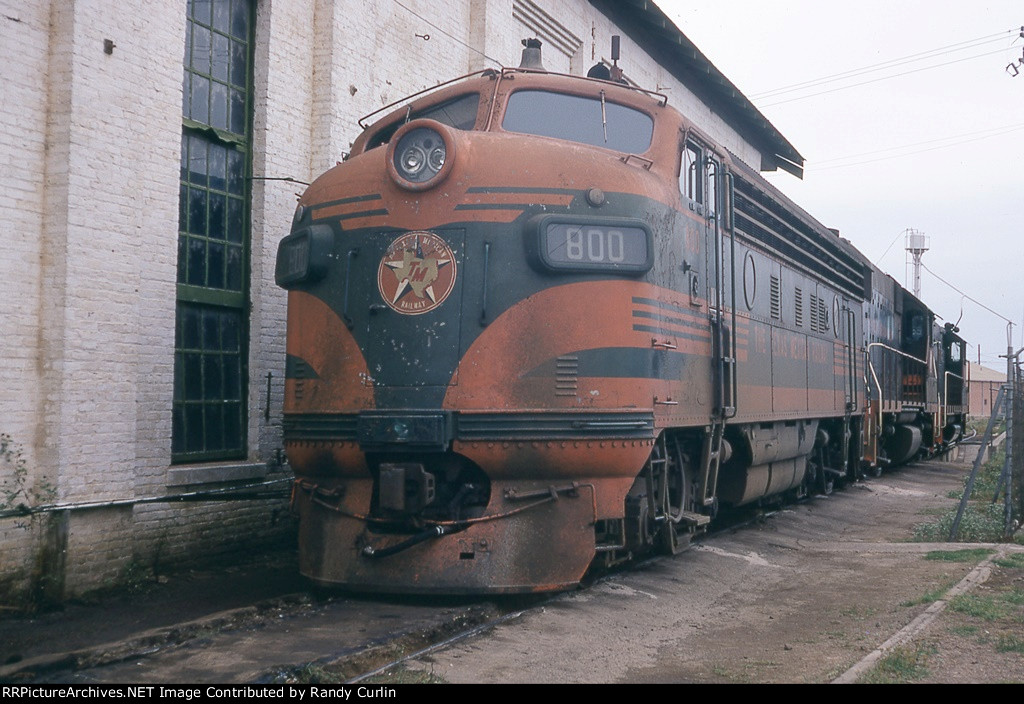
[531,55]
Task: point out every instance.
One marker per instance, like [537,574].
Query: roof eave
[645,23]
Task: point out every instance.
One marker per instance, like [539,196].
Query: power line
[879,260]
[891,63]
[969,298]
[448,34]
[999,130]
[883,78]
[812,167]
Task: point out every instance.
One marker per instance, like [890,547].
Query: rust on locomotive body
[539,321]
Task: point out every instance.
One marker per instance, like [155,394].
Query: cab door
[701,181]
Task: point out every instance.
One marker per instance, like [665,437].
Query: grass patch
[1010,643]
[404,675]
[964,630]
[930,596]
[968,555]
[1012,561]
[987,608]
[988,477]
[901,665]
[981,523]
[315,674]
[728,674]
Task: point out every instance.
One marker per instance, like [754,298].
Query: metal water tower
[916,245]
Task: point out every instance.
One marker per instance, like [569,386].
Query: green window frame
[210,415]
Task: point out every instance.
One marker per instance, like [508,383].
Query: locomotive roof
[484,83]
[645,23]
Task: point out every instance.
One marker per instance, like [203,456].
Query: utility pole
[1013,68]
[1010,475]
[1017,470]
[916,245]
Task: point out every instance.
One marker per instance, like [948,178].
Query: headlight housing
[420,154]
[303,256]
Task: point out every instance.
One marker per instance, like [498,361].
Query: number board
[580,244]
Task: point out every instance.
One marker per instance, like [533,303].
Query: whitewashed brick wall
[24,50]
[368,55]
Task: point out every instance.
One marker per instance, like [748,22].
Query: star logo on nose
[416,273]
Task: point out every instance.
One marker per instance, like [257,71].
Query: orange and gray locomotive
[539,321]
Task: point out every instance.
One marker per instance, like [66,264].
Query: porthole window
[749,281]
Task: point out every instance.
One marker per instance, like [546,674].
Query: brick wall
[22,202]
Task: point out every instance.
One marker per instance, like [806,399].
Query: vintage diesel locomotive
[537,321]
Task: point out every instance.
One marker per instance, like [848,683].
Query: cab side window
[712,194]
[691,176]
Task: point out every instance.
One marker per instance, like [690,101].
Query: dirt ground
[803,594]
[801,597]
[142,607]
[980,638]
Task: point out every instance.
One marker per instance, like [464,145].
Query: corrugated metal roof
[645,23]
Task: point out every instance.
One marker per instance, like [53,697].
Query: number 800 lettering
[595,245]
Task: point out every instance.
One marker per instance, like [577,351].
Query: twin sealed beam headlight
[420,154]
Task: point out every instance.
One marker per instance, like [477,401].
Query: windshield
[593,121]
[459,113]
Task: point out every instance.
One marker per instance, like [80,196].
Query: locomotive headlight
[420,154]
[411,159]
[301,211]
[436,160]
[411,162]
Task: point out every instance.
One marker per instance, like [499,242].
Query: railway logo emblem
[416,273]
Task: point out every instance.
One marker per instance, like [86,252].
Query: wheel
[670,541]
[661,495]
[638,524]
[826,482]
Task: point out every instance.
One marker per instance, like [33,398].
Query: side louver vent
[776,298]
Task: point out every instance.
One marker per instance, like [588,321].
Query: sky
[937,148]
